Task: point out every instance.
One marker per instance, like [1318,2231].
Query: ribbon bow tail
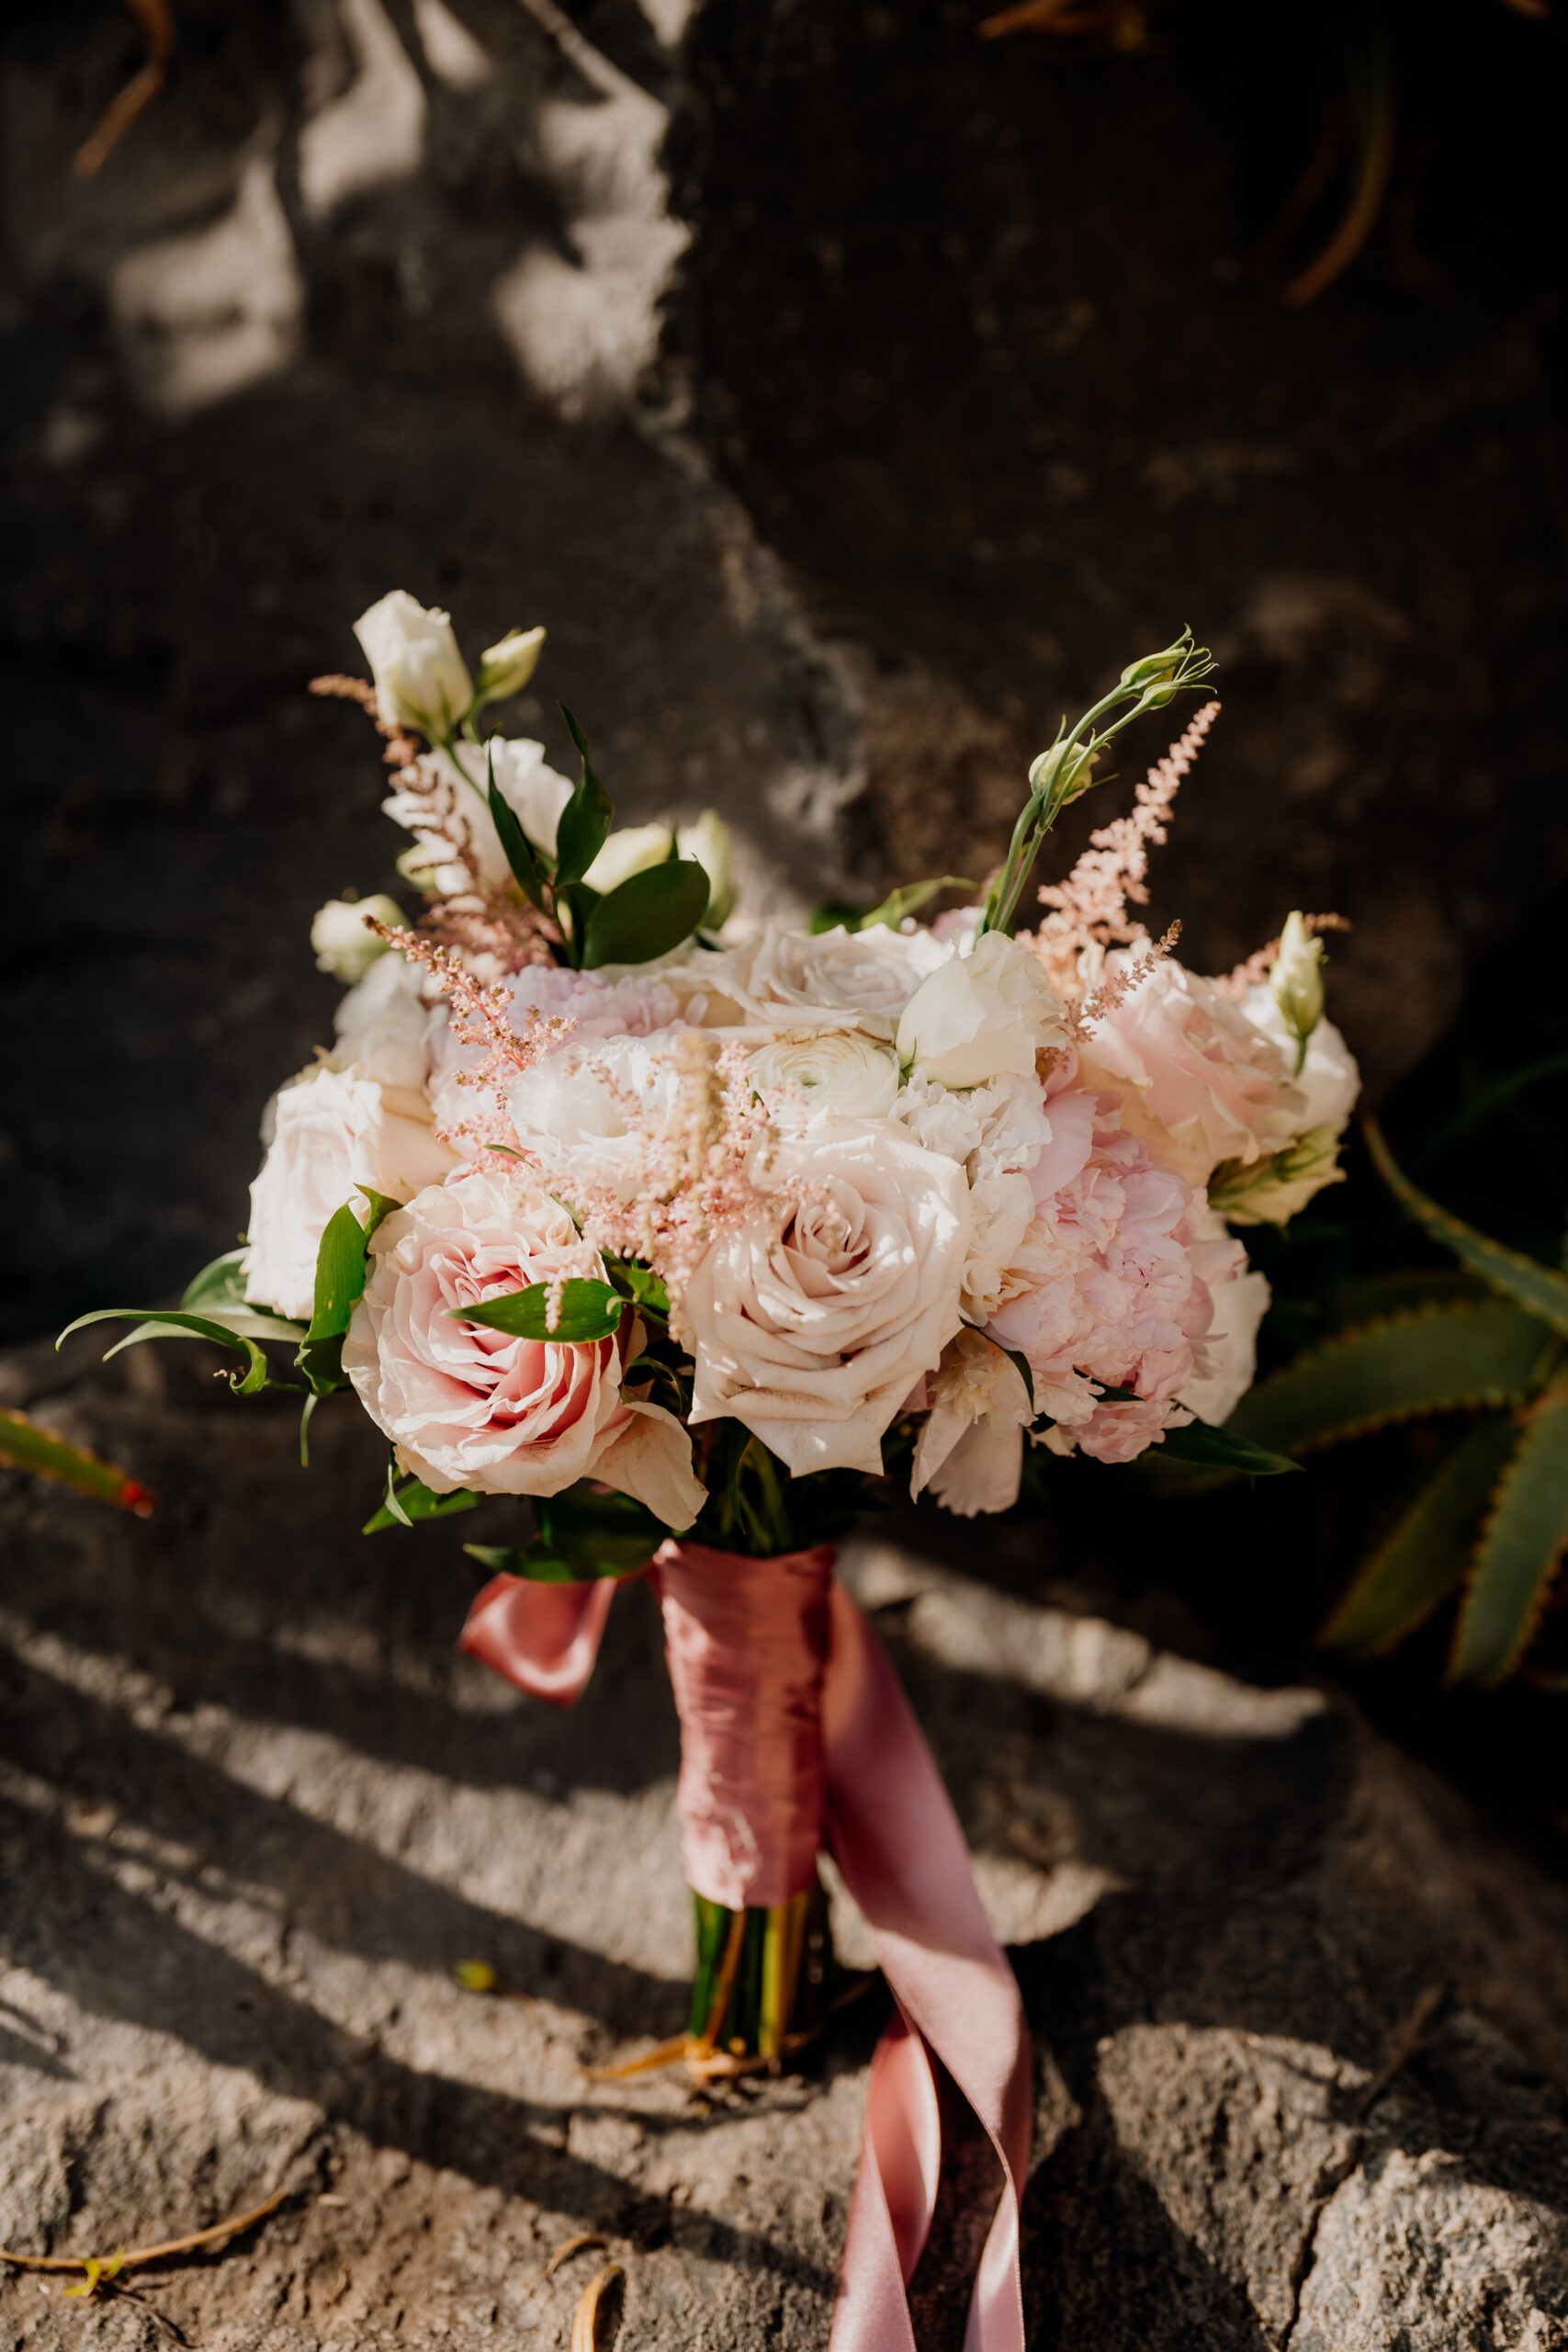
[543,1637]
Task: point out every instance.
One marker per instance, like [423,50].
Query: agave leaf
[27,1447]
[1425,1558]
[1535,1287]
[1520,1546]
[1438,1360]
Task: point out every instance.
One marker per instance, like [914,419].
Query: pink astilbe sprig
[484,1017]
[336,686]
[1254,970]
[1116,988]
[704,1166]
[1089,908]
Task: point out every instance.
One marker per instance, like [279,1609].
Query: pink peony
[466,1405]
[1113,1294]
[1198,1080]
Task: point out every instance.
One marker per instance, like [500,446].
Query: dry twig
[585,2323]
[98,2267]
[156,18]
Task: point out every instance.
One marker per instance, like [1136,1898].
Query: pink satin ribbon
[743,1631]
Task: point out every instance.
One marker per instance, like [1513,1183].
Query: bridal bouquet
[687,1222]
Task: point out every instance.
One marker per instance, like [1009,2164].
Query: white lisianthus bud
[981,1016]
[627,852]
[420,680]
[1296,983]
[346,945]
[1272,1191]
[708,841]
[505,669]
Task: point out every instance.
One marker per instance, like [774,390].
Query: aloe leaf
[585,821]
[589,1311]
[1537,1288]
[1442,1359]
[1520,1546]
[1222,1449]
[27,1447]
[1425,1558]
[647,915]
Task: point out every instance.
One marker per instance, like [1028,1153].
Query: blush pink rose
[469,1407]
[1196,1078]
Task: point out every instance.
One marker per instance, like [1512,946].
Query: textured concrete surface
[1300,2016]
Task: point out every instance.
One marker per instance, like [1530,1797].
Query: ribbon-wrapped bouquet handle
[796,1734]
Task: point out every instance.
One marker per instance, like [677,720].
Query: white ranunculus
[628,851]
[387,1028]
[447,811]
[708,841]
[981,1016]
[346,945]
[840,980]
[810,1325]
[469,1407]
[970,1450]
[840,1073]
[1328,1080]
[1229,1347]
[332,1131]
[583,1111]
[420,679]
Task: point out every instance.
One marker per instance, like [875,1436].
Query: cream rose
[810,1325]
[344,944]
[839,1073]
[469,1407]
[420,678]
[332,1131]
[457,847]
[387,1030]
[838,979]
[970,1450]
[981,1016]
[1198,1080]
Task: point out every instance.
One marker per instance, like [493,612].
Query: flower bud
[1296,983]
[505,669]
[708,841]
[1155,668]
[1273,1190]
[627,852]
[420,680]
[346,945]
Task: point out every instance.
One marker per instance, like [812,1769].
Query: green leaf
[908,900]
[1222,1449]
[834,914]
[519,849]
[1521,1546]
[647,915]
[221,1283]
[1425,1558]
[585,821]
[582,1537]
[589,1311]
[1438,1360]
[409,1500]
[1535,1287]
[641,1286]
[151,1321]
[339,1281]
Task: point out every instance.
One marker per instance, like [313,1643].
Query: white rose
[466,1405]
[387,1029]
[346,945]
[970,1450]
[628,851]
[811,1326]
[332,1131]
[843,980]
[447,811]
[839,1073]
[1228,1351]
[420,676]
[981,1016]
[1328,1079]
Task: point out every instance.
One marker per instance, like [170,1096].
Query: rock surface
[1299,2015]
